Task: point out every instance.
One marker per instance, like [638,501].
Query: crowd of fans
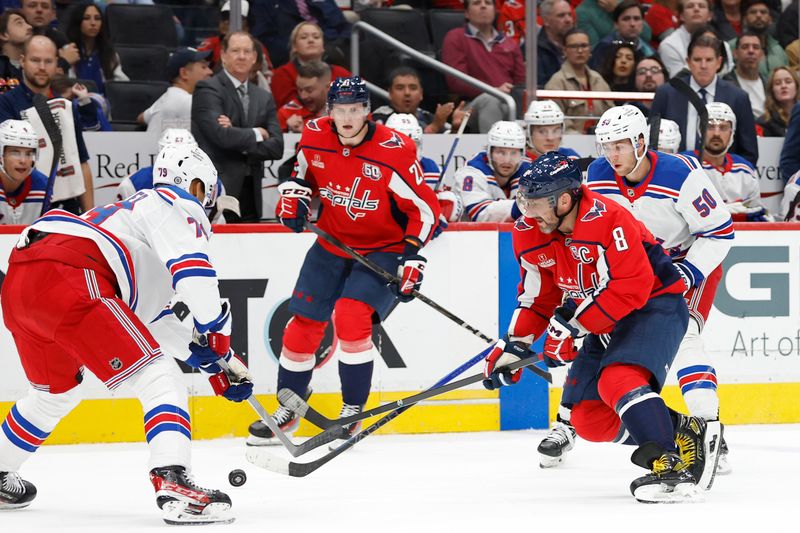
[744,53]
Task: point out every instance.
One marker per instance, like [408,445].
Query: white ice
[421,483]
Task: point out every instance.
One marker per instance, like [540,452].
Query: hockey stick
[390,278]
[452,149]
[697,102]
[54,134]
[290,468]
[655,131]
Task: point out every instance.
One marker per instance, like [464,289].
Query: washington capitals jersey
[430,170]
[373,196]
[736,180]
[24,205]
[485,200]
[156,243]
[678,204]
[610,265]
[563,150]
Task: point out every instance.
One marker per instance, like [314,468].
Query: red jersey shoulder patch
[395,141]
[597,210]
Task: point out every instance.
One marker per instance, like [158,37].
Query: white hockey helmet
[669,136]
[406,124]
[623,122]
[505,134]
[18,134]
[181,164]
[175,136]
[544,113]
[722,112]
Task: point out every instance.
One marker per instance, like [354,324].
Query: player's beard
[716,152]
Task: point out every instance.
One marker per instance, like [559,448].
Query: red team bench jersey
[609,266]
[373,195]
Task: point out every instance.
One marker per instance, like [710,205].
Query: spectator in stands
[628,24]
[618,69]
[727,19]
[236,124]
[39,59]
[705,58]
[308,44]
[556,22]
[98,60]
[694,14]
[747,55]
[787,30]
[262,70]
[662,17]
[576,76]
[273,22]
[480,51]
[42,16]
[793,54]
[92,107]
[782,94]
[594,16]
[405,95]
[14,31]
[511,19]
[185,67]
[313,79]
[650,74]
[757,18]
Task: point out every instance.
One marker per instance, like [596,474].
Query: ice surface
[421,483]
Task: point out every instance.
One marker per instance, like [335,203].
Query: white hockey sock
[696,377]
[160,388]
[30,422]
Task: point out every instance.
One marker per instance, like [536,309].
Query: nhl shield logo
[115,363]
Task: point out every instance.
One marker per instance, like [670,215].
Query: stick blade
[291,400]
[261,458]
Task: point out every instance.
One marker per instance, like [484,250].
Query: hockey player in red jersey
[621,294]
[85,293]
[375,200]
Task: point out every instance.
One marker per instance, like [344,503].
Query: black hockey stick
[452,150]
[54,134]
[290,468]
[655,131]
[697,102]
[390,278]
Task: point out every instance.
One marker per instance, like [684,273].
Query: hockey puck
[237,478]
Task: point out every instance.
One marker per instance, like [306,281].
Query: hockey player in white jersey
[78,293]
[675,199]
[734,176]
[544,124]
[487,184]
[669,136]
[23,187]
[450,203]
[790,203]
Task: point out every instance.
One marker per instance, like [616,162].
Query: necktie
[242,89]
[699,140]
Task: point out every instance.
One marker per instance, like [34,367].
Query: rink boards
[753,335]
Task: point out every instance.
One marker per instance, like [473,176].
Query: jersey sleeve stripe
[689,162]
[723,231]
[475,209]
[402,189]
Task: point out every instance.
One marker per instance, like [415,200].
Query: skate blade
[723,466]
[711,443]
[660,493]
[545,461]
[177,513]
[252,440]
[13,506]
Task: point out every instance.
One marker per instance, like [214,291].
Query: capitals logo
[521,225]
[394,142]
[354,206]
[313,126]
[595,212]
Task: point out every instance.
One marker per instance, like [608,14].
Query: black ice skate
[15,492]
[352,429]
[286,419]
[698,443]
[558,442]
[669,480]
[186,503]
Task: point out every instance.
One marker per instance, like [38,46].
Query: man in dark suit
[704,60]
[235,122]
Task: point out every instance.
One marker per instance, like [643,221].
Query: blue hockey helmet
[352,90]
[549,176]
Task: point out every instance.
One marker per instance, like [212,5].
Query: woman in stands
[619,67]
[782,94]
[308,44]
[98,60]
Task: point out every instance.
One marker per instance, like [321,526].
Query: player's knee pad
[159,383]
[618,380]
[301,338]
[595,421]
[44,410]
[353,320]
[691,351]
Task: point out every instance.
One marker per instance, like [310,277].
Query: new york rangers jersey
[373,196]
[485,200]
[791,199]
[736,180]
[24,205]
[677,202]
[156,243]
[563,150]
[610,265]
[430,170]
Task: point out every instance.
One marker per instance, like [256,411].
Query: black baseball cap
[182,57]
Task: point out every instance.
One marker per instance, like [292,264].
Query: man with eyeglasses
[649,74]
[628,27]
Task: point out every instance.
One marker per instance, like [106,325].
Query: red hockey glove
[294,204]
[559,345]
[450,204]
[410,274]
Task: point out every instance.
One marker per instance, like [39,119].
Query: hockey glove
[235,386]
[450,204]
[218,337]
[686,274]
[559,345]
[503,354]
[440,227]
[294,204]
